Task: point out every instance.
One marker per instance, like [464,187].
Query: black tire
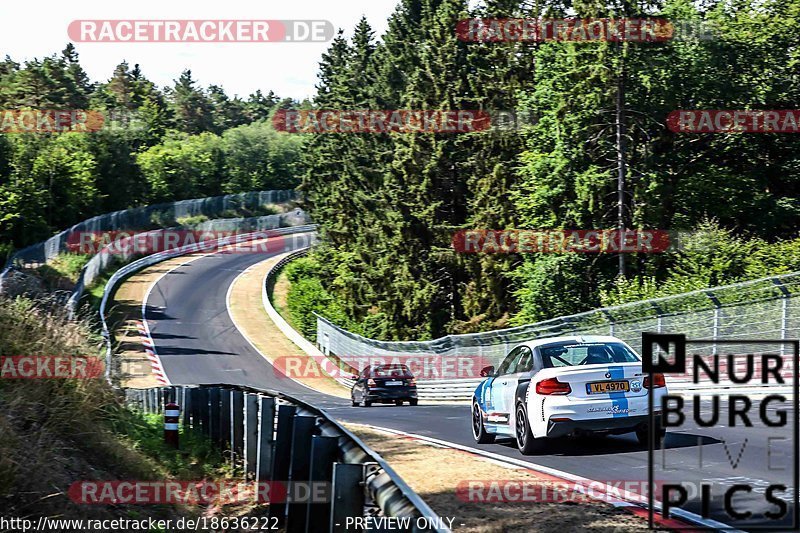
[643,435]
[412,401]
[398,403]
[479,432]
[526,442]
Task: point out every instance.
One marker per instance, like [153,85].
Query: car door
[516,381]
[503,382]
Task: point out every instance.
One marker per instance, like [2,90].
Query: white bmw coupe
[564,386]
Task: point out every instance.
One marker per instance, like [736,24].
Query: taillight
[658,381]
[371,383]
[412,382]
[552,386]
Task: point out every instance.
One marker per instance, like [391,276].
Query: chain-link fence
[767,308]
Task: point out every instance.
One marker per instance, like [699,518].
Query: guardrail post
[225,419]
[324,452]
[200,417]
[250,434]
[237,419]
[347,494]
[186,402]
[715,328]
[281,457]
[300,470]
[265,443]
[785,295]
[213,414]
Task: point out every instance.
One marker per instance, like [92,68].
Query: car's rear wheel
[412,401]
[643,435]
[478,430]
[526,442]
[398,402]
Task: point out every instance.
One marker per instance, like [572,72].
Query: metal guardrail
[140,217]
[152,259]
[278,439]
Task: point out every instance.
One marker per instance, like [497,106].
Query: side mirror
[487,371]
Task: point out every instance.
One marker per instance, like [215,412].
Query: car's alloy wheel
[526,443]
[479,432]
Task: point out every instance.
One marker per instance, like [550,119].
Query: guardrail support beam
[300,470]
[347,498]
[281,457]
[324,452]
[213,414]
[237,429]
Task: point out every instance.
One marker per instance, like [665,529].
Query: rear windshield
[389,371]
[566,354]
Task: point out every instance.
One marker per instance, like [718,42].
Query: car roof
[577,339]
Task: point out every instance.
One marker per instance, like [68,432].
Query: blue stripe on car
[618,399]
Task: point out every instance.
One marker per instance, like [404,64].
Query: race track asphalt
[198,343]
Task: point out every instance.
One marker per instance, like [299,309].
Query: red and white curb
[631,502]
[152,355]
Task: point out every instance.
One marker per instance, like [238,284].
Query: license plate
[393,382]
[600,387]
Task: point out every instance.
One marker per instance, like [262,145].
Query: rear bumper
[391,393]
[623,424]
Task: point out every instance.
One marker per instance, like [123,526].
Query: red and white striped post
[172,414]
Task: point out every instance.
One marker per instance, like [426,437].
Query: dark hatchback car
[384,384]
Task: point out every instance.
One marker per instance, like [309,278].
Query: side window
[509,363]
[525,362]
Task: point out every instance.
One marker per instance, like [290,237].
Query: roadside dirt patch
[434,473]
[247,310]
